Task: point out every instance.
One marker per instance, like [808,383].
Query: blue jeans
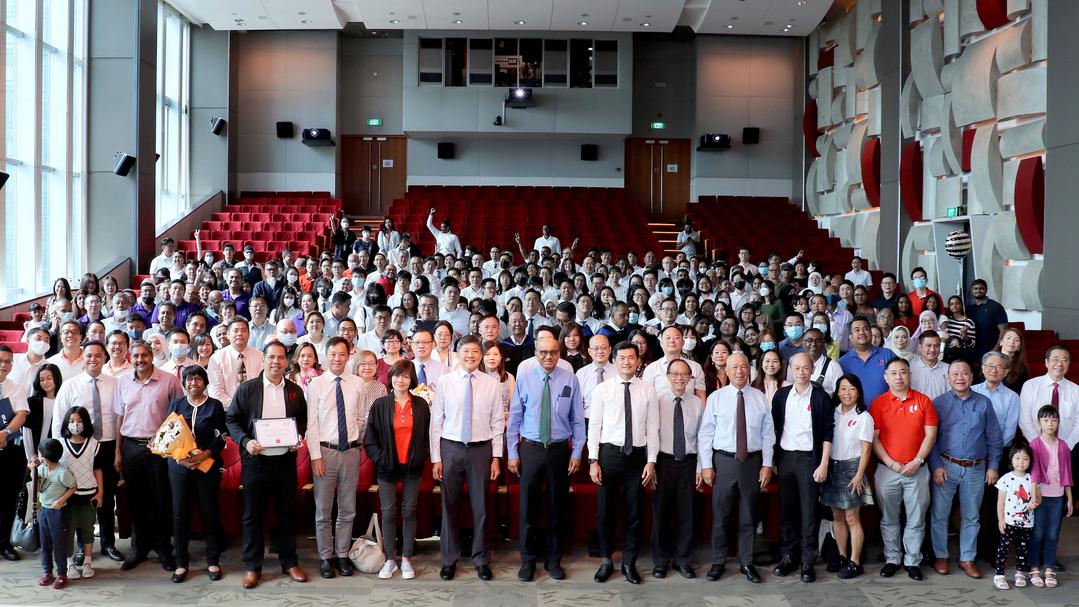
[970,483]
[1043,541]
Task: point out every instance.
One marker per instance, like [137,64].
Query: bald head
[547,352]
[801,367]
[738,369]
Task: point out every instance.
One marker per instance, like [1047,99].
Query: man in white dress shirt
[736,442]
[12,456]
[179,354]
[548,240]
[826,372]
[928,374]
[857,275]
[446,242]
[231,366]
[24,368]
[623,442]
[671,341]
[428,369]
[333,440]
[69,358]
[467,422]
[372,340]
[450,312]
[597,371]
[1053,388]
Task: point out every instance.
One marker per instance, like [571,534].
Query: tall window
[173,69]
[43,121]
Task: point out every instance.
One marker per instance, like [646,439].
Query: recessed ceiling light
[730,26]
[582,23]
[306,21]
[520,22]
[394,21]
[302,13]
[646,24]
[584,14]
[457,22]
[374,33]
[802,2]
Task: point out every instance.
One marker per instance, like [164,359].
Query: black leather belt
[472,444]
[138,441]
[353,445]
[962,463]
[550,445]
[733,455]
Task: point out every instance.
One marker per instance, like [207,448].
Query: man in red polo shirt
[906,427]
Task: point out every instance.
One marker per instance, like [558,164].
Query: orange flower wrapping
[174,439]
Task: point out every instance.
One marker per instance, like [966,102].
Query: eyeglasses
[679,374]
[368,363]
[542,353]
[994,367]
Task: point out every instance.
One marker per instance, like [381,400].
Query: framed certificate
[279,433]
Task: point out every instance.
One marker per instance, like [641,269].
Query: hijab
[906,353]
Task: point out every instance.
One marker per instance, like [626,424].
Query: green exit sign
[374,122]
[659,125]
[953,212]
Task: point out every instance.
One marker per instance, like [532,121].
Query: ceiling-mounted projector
[520,98]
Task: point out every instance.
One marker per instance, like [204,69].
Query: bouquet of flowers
[425,391]
[174,439]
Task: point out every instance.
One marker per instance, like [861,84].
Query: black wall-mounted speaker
[751,135]
[446,150]
[285,130]
[217,124]
[589,151]
[123,164]
[3,179]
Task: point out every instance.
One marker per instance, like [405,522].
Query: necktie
[179,368]
[466,412]
[241,373]
[600,372]
[423,376]
[679,431]
[1055,401]
[627,442]
[545,411]
[95,396]
[528,330]
[740,422]
[342,421]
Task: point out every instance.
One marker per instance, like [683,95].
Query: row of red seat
[284,195]
[320,217]
[509,192]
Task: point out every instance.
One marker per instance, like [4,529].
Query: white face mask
[689,345]
[75,428]
[120,314]
[38,347]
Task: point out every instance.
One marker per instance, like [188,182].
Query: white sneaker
[73,572]
[388,570]
[87,570]
[407,571]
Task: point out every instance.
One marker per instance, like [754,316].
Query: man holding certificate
[333,440]
[266,418]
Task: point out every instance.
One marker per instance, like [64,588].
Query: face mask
[919,283]
[633,318]
[38,347]
[504,264]
[822,327]
[75,428]
[765,291]
[668,291]
[289,339]
[270,280]
[133,334]
[324,293]
[831,299]
[689,345]
[208,258]
[120,314]
[179,351]
[289,302]
[66,316]
[793,332]
[292,278]
[767,346]
[763,270]
[739,284]
[842,304]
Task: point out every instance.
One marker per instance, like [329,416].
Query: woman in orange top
[398,442]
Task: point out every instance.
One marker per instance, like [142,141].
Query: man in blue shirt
[963,459]
[989,317]
[866,360]
[1005,401]
[545,436]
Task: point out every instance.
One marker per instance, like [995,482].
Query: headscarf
[817,288]
[919,329]
[907,353]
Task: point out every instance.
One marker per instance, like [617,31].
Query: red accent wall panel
[809,127]
[1030,203]
[993,13]
[871,170]
[968,145]
[910,180]
[826,58]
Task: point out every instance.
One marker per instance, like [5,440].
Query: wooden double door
[374,171]
[657,175]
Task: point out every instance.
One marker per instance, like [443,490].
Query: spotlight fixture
[520,22]
[395,21]
[457,22]
[646,24]
[519,98]
[730,26]
[582,23]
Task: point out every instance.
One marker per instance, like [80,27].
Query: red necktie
[740,421]
[1055,401]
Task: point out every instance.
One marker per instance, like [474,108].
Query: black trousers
[12,474]
[191,487]
[106,514]
[269,480]
[739,481]
[621,479]
[146,477]
[672,509]
[798,497]
[989,532]
[460,464]
[541,465]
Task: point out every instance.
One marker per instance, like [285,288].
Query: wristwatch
[593,460]
[920,460]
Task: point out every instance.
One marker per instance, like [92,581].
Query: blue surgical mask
[919,283]
[668,291]
[763,270]
[822,327]
[288,339]
[767,345]
[179,350]
[842,304]
[794,332]
[633,318]
[133,334]
[831,299]
[66,317]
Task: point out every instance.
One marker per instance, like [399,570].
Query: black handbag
[24,534]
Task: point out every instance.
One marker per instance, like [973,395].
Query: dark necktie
[1055,401]
[742,452]
[423,375]
[96,404]
[528,330]
[679,431]
[627,442]
[545,411]
[342,421]
[600,371]
[466,412]
[241,372]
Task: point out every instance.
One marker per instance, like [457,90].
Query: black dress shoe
[751,573]
[714,573]
[659,571]
[168,564]
[179,577]
[344,567]
[685,571]
[915,573]
[889,569]
[554,569]
[215,576]
[447,572]
[484,572]
[326,569]
[837,565]
[10,554]
[527,571]
[113,553]
[808,574]
[851,570]
[630,571]
[785,567]
[604,572]
[79,557]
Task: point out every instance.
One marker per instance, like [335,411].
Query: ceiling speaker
[446,150]
[285,130]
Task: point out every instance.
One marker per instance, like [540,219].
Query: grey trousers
[735,482]
[387,498]
[462,464]
[896,493]
[342,475]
